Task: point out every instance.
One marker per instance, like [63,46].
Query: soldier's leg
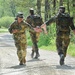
[32,54]
[36,50]
[59,41]
[35,46]
[65,45]
[24,47]
[59,45]
[19,52]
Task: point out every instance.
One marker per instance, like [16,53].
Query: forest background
[46,9]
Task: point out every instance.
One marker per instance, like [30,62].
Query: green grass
[52,47]
[71,49]
[3,30]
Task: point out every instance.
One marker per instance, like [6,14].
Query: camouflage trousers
[21,46]
[62,43]
[35,38]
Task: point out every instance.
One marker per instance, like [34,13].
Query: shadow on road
[18,66]
[33,60]
[67,67]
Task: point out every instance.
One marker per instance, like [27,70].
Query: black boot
[37,55]
[21,62]
[32,54]
[61,59]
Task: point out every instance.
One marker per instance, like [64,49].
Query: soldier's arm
[71,23]
[10,29]
[44,26]
[51,20]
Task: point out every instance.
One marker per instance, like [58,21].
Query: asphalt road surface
[46,64]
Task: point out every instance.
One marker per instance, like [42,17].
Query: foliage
[6,21]
[44,40]
[2,30]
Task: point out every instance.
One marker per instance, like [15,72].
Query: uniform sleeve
[11,27]
[53,19]
[72,23]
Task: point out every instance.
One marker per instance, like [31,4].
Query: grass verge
[2,30]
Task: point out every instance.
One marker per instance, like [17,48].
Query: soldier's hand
[37,29]
[14,31]
[43,26]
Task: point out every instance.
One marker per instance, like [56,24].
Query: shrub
[6,21]
[44,40]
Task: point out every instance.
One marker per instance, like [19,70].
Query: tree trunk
[13,7]
[39,7]
[54,5]
[74,9]
[68,6]
[61,2]
[47,10]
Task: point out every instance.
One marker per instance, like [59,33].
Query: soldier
[18,29]
[35,21]
[63,25]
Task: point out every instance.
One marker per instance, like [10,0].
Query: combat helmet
[31,10]
[62,8]
[19,14]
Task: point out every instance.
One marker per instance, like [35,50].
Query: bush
[44,40]
[6,21]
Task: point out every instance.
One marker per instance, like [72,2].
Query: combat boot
[32,54]
[62,59]
[37,55]
[21,62]
[24,60]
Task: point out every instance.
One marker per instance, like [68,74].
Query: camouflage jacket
[63,22]
[31,22]
[22,27]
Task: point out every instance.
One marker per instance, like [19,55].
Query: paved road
[47,64]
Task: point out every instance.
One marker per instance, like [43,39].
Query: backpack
[36,20]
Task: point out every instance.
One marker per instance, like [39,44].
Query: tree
[54,5]
[68,6]
[61,2]
[39,7]
[73,8]
[47,10]
[13,7]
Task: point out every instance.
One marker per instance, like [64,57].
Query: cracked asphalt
[46,64]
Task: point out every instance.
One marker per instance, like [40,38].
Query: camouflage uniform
[62,31]
[34,36]
[63,26]
[20,38]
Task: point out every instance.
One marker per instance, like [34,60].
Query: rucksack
[36,20]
